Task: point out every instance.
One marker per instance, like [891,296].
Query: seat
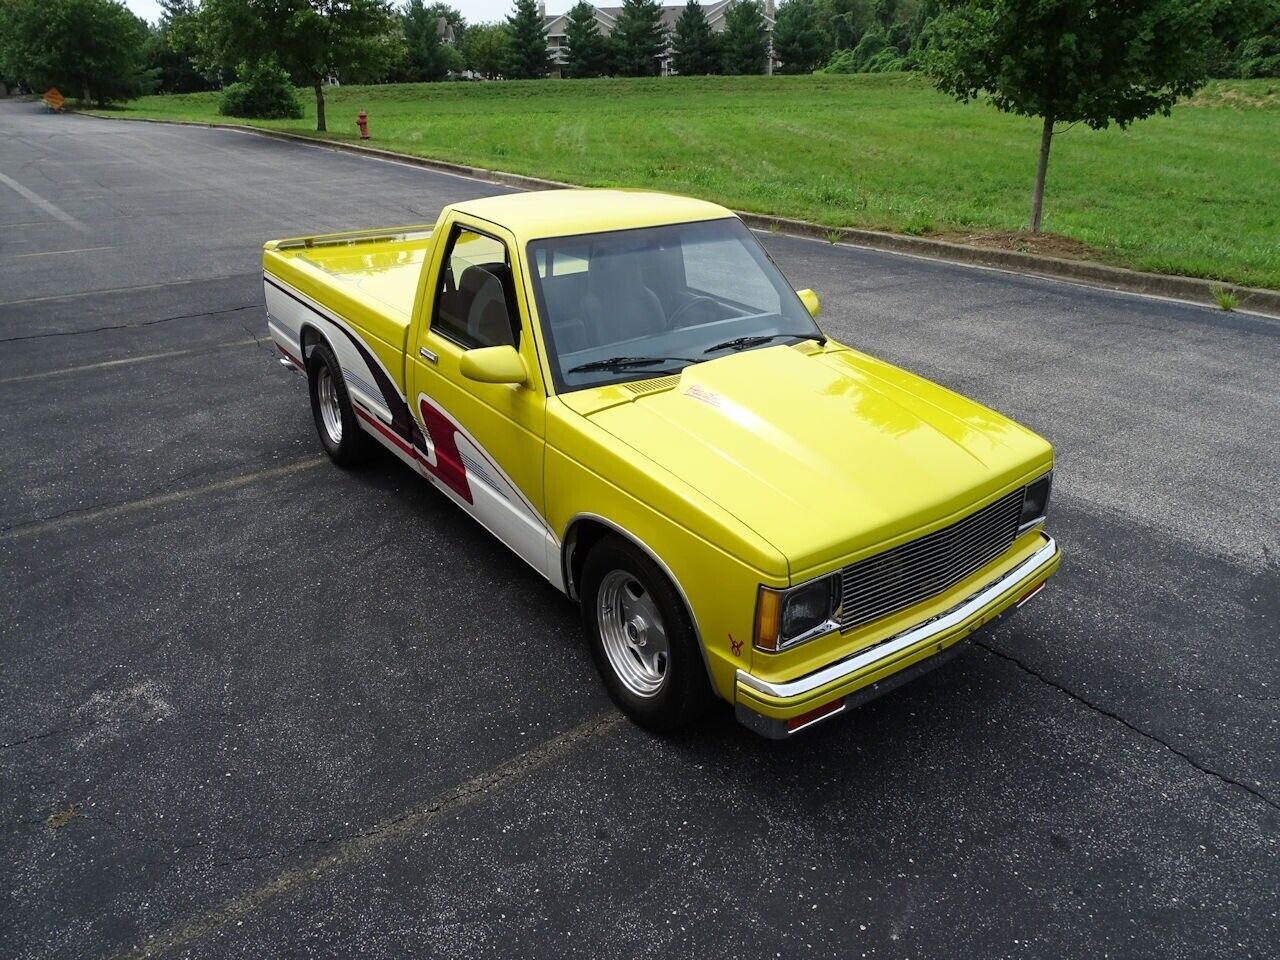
[618,305]
[485,290]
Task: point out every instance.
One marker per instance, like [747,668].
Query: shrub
[841,61]
[1260,56]
[885,61]
[263,93]
[873,54]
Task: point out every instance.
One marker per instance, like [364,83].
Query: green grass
[1196,193]
[1224,298]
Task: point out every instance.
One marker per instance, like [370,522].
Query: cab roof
[568,213]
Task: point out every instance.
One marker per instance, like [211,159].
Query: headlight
[787,617]
[1035,503]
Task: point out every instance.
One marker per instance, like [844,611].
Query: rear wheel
[340,433]
[642,638]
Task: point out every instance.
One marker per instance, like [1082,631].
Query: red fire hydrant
[362,121]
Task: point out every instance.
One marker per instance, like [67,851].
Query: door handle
[427,354]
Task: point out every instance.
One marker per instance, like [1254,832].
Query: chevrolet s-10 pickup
[624,389]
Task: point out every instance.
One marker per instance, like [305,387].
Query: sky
[475,11]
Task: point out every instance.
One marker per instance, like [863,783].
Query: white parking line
[124,361]
[158,500]
[52,209]
[50,253]
[362,845]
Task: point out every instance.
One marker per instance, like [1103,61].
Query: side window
[475,302]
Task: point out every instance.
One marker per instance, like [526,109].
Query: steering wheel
[682,310]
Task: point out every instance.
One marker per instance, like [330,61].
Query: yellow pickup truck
[624,389]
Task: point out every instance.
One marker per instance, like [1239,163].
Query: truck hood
[824,453]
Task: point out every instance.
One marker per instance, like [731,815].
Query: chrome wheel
[632,633]
[330,409]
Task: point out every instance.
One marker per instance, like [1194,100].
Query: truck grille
[924,568]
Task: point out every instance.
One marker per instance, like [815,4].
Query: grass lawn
[1196,193]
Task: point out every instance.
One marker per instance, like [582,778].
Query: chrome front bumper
[950,626]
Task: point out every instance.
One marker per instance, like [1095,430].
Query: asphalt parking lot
[252,705]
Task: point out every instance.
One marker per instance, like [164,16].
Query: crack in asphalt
[44,735]
[131,326]
[97,721]
[359,845]
[1181,754]
[257,340]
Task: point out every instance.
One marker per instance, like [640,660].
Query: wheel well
[585,533]
[309,336]
[582,536]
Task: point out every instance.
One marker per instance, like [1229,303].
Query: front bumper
[779,709]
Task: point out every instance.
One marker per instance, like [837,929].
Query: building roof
[670,14]
[568,213]
[714,10]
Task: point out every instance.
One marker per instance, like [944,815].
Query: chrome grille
[915,571]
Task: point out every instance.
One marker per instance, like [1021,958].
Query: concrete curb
[1192,289]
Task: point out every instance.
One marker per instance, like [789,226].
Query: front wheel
[642,639]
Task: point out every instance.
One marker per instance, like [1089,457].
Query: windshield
[647,303]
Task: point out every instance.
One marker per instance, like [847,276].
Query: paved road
[252,705]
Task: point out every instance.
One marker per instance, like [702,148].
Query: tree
[95,49]
[1095,62]
[311,39]
[883,13]
[639,38]
[484,49]
[695,49]
[427,57]
[173,51]
[589,54]
[11,53]
[527,57]
[1257,51]
[745,46]
[797,37]
[843,22]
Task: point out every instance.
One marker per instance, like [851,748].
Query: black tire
[684,692]
[353,446]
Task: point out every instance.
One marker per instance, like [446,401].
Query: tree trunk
[1037,193]
[320,127]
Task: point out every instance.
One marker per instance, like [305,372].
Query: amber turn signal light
[767,607]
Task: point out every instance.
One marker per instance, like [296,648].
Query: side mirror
[493,365]
[810,301]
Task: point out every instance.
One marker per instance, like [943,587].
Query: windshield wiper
[740,343]
[621,363]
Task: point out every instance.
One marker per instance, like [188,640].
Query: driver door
[484,441]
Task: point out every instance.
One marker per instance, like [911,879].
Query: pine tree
[797,37]
[527,57]
[695,48]
[426,56]
[588,54]
[744,44]
[639,38]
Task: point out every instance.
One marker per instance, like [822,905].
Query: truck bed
[367,279]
